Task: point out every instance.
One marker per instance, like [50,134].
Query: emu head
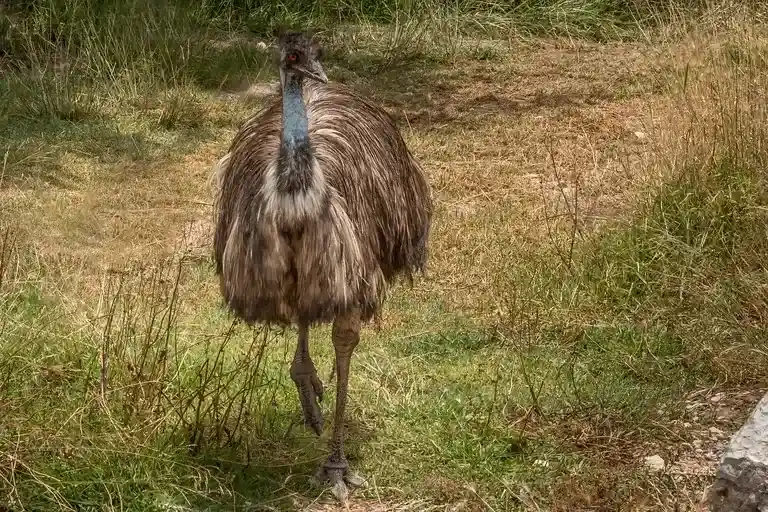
[300,55]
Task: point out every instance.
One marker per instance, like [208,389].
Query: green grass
[430,413]
[125,386]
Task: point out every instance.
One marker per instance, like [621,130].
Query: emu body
[310,229]
[319,207]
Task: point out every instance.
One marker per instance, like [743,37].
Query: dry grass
[487,148]
[520,374]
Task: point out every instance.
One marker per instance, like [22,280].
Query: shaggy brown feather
[308,258]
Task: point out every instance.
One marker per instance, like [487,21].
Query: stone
[655,463]
[742,478]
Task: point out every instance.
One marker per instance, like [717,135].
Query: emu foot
[310,393]
[340,477]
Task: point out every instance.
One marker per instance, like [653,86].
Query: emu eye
[292,57]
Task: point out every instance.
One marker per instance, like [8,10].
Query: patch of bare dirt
[712,418]
[679,462]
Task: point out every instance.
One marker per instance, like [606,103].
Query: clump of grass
[127,405]
[179,108]
[695,256]
[76,59]
[51,96]
[663,303]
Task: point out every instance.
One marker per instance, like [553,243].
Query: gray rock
[742,479]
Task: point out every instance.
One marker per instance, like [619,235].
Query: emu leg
[310,388]
[346,335]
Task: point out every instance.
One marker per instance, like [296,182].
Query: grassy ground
[596,292]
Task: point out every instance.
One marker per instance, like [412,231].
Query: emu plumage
[319,207]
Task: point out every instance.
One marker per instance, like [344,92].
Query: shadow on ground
[276,473]
[429,93]
[42,152]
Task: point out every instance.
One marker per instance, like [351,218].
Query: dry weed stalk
[205,391]
[572,212]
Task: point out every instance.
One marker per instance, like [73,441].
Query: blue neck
[294,172]
[295,125]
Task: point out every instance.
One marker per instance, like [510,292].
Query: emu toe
[340,478]
[310,394]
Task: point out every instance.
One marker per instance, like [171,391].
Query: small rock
[697,443]
[655,463]
[640,135]
[723,414]
[687,425]
[716,431]
[716,398]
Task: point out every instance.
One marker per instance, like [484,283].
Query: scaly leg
[346,335]
[310,388]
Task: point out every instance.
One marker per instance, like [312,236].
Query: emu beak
[314,71]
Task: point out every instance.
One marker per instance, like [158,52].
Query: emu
[319,207]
